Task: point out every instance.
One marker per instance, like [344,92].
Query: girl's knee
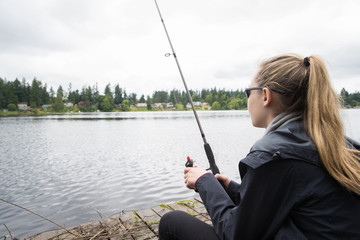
[169,218]
[169,224]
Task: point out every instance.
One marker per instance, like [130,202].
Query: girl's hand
[225,180]
[191,175]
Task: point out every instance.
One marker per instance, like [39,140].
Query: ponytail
[324,126]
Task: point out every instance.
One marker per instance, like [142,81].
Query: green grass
[35,112]
[9,114]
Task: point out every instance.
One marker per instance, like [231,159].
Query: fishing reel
[189,162]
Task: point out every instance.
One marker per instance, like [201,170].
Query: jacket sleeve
[218,204]
[233,191]
[266,199]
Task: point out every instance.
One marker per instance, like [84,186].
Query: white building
[141,105]
[23,106]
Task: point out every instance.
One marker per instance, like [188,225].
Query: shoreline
[42,113]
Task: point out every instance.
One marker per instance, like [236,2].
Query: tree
[234,104]
[2,93]
[142,99]
[52,94]
[222,98]
[18,90]
[216,106]
[95,91]
[45,97]
[125,105]
[60,90]
[107,104]
[344,94]
[132,98]
[10,93]
[35,93]
[58,105]
[70,88]
[74,96]
[184,98]
[175,96]
[87,96]
[25,91]
[118,95]
[195,97]
[125,94]
[148,103]
[209,98]
[160,97]
[204,92]
[108,90]
[11,107]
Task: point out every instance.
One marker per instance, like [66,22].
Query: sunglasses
[248,90]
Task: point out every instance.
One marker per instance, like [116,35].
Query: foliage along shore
[20,98]
[74,110]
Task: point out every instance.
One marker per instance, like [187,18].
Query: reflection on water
[70,168]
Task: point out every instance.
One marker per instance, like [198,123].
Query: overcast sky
[218,43]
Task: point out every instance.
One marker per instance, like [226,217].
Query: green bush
[11,107]
[216,106]
[125,105]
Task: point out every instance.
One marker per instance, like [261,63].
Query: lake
[78,168]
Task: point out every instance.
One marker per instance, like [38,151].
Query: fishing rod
[208,151]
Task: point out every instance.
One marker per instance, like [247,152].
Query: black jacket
[285,194]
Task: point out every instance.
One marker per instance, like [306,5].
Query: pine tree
[35,93]
[118,95]
[58,105]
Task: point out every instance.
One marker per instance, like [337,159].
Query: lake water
[74,168]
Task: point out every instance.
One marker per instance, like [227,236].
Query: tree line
[89,99]
[350,100]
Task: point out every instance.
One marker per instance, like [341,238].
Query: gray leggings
[177,225]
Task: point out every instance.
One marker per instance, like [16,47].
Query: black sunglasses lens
[247,92]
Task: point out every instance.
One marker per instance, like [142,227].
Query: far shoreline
[39,113]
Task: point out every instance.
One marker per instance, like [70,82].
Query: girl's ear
[267,97]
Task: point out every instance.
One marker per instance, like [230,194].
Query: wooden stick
[9,232]
[97,234]
[40,216]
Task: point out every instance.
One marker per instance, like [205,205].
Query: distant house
[70,105]
[141,105]
[81,104]
[23,106]
[197,104]
[170,105]
[46,106]
[156,105]
[205,104]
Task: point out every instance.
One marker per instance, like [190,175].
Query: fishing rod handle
[211,159]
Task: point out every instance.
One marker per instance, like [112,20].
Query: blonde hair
[308,90]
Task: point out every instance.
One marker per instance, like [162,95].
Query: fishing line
[207,147]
